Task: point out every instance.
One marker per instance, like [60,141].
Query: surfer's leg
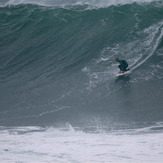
[120,67]
[125,67]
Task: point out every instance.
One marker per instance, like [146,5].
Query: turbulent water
[58,76]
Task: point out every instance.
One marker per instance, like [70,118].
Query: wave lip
[62,3]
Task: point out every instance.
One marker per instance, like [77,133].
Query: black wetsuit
[123,65]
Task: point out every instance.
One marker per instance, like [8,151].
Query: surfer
[123,65]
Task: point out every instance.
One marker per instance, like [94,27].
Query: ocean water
[60,99]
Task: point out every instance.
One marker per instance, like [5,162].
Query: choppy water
[57,67]
[35,144]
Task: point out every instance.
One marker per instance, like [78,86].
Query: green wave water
[57,62]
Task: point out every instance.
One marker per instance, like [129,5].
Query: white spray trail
[157,40]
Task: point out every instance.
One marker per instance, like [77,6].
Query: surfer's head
[116,59]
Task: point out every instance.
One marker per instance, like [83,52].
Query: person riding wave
[123,65]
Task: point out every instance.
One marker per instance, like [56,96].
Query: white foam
[55,145]
[95,3]
[155,36]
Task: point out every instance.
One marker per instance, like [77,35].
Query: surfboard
[124,73]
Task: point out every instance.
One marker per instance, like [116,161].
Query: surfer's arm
[120,62]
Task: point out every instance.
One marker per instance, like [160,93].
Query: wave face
[57,62]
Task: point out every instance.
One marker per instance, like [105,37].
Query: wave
[57,63]
[63,3]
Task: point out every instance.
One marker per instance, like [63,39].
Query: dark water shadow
[123,79]
[124,94]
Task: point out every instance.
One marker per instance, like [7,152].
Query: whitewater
[60,99]
[35,144]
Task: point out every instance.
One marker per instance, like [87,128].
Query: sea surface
[60,99]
